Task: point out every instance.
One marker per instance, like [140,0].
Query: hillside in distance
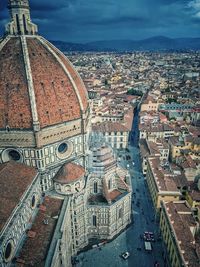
[158,43]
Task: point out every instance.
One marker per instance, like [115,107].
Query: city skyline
[84,21]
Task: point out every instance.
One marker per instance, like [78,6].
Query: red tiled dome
[36,79]
[69,173]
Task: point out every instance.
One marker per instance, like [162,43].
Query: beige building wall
[118,140]
[169,239]
[157,194]
[150,106]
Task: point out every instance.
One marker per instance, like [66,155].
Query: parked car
[125,255]
[149,236]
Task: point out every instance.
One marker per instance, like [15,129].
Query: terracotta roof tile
[79,83]
[35,249]
[69,172]
[109,127]
[56,99]
[114,194]
[14,98]
[181,219]
[15,178]
[163,177]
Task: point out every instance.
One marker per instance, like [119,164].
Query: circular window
[33,201]
[62,148]
[14,155]
[8,251]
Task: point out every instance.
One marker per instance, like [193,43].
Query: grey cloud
[82,20]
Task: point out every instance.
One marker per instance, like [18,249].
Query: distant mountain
[158,43]
[65,46]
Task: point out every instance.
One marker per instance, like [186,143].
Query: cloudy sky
[90,20]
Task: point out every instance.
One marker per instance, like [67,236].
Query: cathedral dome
[39,87]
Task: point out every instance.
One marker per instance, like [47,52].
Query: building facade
[115,134]
[176,218]
[160,182]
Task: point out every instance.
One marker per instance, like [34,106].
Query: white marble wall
[109,222]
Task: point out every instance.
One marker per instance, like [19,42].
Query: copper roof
[15,178]
[60,94]
[69,172]
[35,248]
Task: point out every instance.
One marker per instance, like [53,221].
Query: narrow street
[143,220]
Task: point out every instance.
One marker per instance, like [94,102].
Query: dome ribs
[75,76]
[39,87]
[14,98]
[55,97]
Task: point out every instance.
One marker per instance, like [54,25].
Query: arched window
[95,187]
[18,26]
[24,22]
[7,128]
[9,249]
[94,220]
[120,213]
[109,184]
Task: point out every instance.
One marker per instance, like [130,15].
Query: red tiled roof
[69,172]
[194,192]
[35,249]
[149,99]
[114,194]
[14,98]
[79,83]
[109,127]
[181,219]
[15,178]
[56,98]
[163,178]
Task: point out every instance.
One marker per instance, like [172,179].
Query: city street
[143,220]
